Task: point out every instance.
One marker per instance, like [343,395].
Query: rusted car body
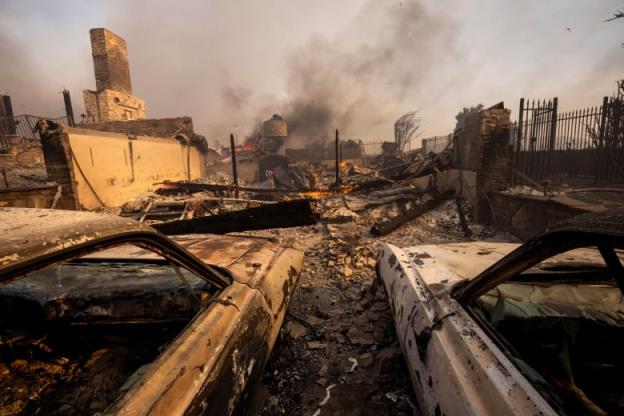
[104,314]
[501,329]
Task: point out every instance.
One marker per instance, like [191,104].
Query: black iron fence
[17,129]
[581,146]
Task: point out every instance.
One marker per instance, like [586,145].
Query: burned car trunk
[103,314]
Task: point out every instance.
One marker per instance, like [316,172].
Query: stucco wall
[119,168]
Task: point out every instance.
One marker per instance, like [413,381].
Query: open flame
[319,193]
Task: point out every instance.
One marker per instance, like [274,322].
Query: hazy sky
[352,64]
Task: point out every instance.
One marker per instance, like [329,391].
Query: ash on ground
[338,353]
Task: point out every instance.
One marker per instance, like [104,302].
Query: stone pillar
[494,158]
[59,165]
[110,61]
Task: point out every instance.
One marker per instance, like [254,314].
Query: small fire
[316,194]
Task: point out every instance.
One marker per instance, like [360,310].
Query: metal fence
[372,148]
[17,129]
[436,144]
[580,144]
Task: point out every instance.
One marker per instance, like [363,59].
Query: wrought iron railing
[21,128]
[583,144]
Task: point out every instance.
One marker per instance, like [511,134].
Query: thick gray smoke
[20,79]
[362,88]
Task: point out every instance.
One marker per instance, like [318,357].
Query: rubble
[345,313]
[383,228]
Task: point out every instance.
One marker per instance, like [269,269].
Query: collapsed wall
[102,169]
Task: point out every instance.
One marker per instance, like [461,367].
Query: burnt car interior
[78,333]
[561,322]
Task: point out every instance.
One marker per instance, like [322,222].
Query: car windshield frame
[532,253]
[154,242]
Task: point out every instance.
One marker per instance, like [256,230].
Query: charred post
[337,160]
[293,213]
[234,172]
[69,110]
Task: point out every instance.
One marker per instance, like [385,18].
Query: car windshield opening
[76,334]
[564,319]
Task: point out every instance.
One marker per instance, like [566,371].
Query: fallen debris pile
[339,315]
[385,227]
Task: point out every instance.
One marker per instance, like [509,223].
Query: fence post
[69,110]
[601,145]
[516,150]
[553,137]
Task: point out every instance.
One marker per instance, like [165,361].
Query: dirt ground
[337,353]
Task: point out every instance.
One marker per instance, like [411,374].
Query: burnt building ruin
[274,135]
[273,146]
[112,100]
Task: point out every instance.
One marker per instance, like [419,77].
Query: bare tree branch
[405,128]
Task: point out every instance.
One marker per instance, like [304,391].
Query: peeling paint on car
[455,369]
[221,351]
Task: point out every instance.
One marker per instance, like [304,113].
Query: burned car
[491,328]
[102,314]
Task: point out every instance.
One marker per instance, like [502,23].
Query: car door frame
[524,257]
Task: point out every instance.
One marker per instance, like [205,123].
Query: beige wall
[119,169]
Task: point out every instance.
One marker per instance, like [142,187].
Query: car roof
[28,233]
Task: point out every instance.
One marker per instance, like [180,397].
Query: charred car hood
[464,261]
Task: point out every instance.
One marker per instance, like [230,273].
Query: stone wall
[32,197]
[58,163]
[110,105]
[21,165]
[22,155]
[163,127]
[529,215]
